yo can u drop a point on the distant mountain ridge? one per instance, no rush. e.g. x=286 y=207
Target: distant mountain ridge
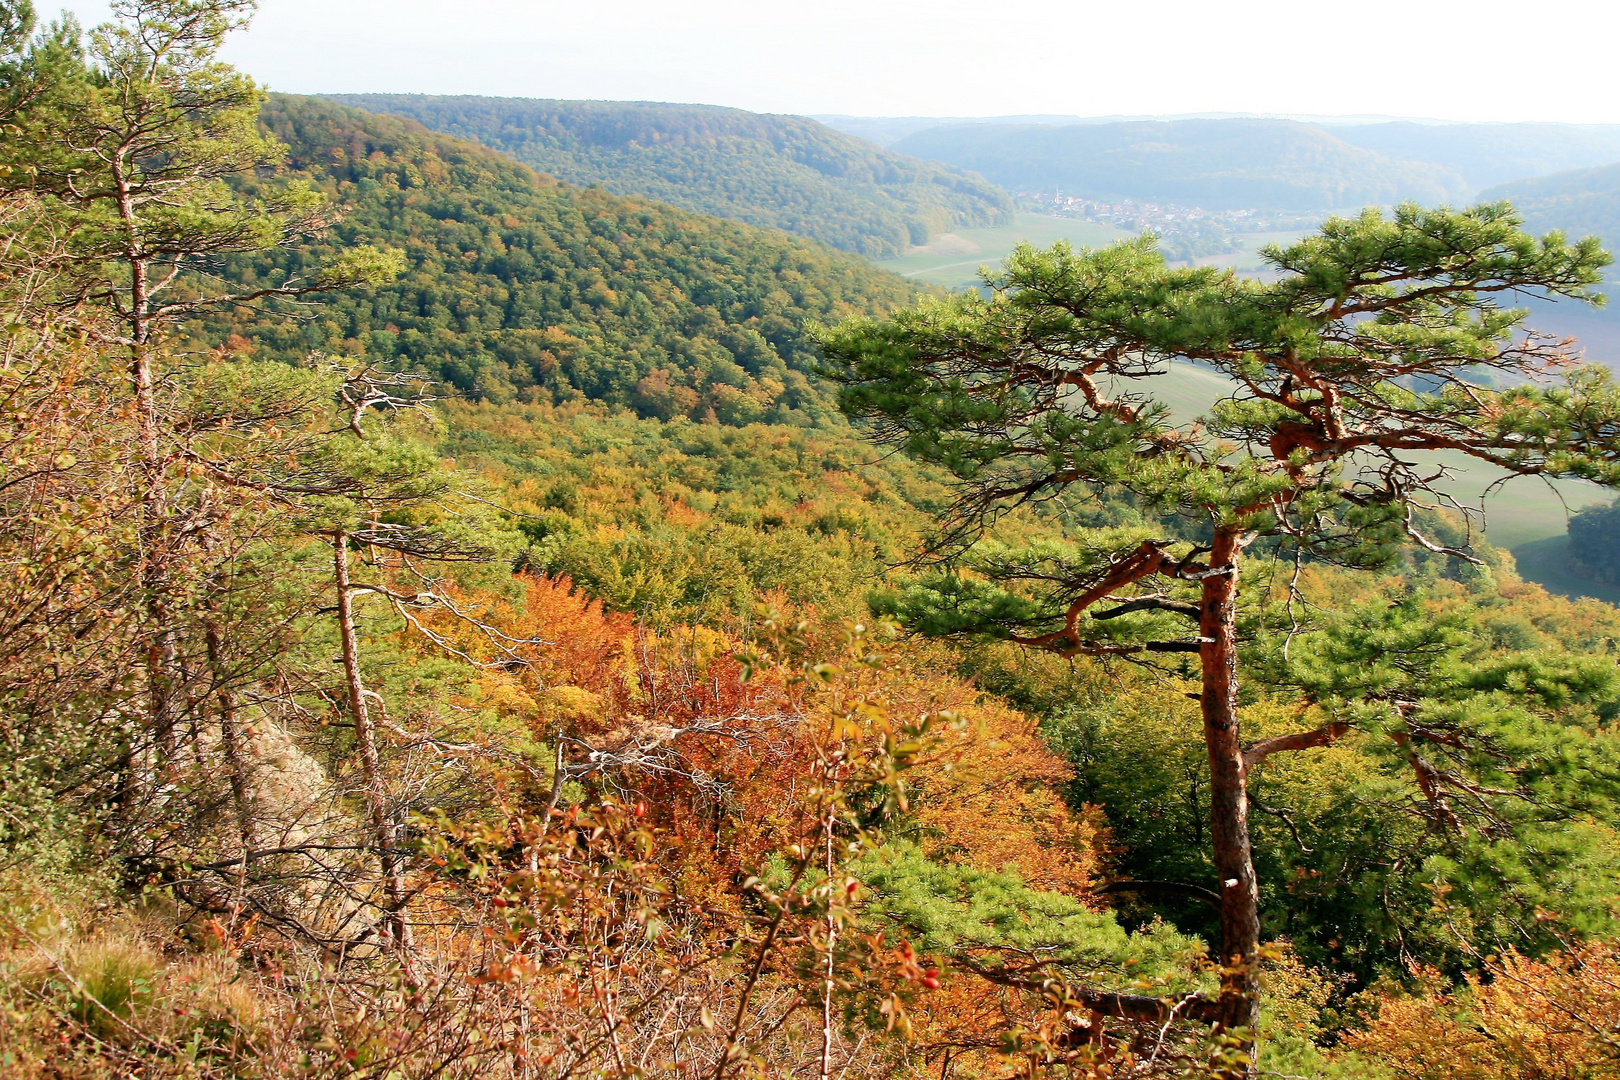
x=1463 y=159
x=1486 y=155
x=888 y=130
x=1216 y=164
x=781 y=172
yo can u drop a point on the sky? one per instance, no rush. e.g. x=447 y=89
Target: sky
x=1484 y=60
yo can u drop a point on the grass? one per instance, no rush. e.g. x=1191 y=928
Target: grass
x=89 y=982
x=1544 y=562
x=954 y=260
x=114 y=980
x=1523 y=509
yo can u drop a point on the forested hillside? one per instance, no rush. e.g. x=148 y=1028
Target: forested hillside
x=460 y=625
x=888 y=130
x=1214 y=164
x=1581 y=202
x=519 y=286
x=778 y=172
x=1485 y=155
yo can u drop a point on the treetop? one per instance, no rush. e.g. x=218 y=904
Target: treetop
x=1378 y=339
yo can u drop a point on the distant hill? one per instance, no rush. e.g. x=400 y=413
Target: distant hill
x=779 y=172
x=1223 y=164
x=1488 y=154
x=888 y=130
x=1581 y=202
x=522 y=287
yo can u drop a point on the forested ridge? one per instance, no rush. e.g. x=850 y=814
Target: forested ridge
x=1486 y=155
x=519 y=286
x=781 y=172
x=1583 y=201
x=460 y=624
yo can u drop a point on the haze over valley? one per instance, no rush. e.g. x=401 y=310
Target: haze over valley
x=856 y=541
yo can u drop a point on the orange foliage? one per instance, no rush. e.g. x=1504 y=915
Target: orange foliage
x=1557 y=1019
x=991 y=798
x=989 y=795
x=737 y=770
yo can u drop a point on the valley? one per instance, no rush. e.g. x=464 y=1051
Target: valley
x=1525 y=516
x=558 y=587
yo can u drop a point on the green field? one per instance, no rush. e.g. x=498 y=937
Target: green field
x=953 y=260
x=1246 y=260
x=1544 y=562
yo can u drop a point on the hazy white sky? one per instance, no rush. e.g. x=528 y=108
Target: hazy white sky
x=1481 y=60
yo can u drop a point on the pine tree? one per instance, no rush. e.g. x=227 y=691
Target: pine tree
x=129 y=149
x=1377 y=341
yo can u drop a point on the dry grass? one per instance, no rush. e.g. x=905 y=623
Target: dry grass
x=88 y=991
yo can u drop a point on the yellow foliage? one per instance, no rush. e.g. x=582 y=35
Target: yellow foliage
x=1557 y=1019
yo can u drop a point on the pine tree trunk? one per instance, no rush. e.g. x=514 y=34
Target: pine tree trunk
x=1229 y=803
x=160 y=648
x=365 y=738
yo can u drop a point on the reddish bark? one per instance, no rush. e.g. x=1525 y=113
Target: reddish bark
x=1228 y=774
x=1326 y=735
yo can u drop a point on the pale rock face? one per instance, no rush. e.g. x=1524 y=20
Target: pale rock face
x=292 y=795
x=294 y=802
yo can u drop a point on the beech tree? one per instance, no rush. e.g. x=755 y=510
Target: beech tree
x=1376 y=342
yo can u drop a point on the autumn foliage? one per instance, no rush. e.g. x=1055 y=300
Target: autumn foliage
x=1522 y=1019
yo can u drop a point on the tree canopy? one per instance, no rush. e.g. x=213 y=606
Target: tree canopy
x=778 y=172
x=348 y=731
x=520 y=287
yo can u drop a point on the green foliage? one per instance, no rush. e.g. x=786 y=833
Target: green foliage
x=1451 y=763
x=519 y=287
x=130 y=146
x=956 y=911
x=1594 y=543
x=21 y=77
x=1388 y=312
x=686 y=522
x=775 y=172
x=1196 y=239
x=1215 y=164
x=1475 y=792
x=1004 y=591
x=1514 y=743
x=193 y=125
